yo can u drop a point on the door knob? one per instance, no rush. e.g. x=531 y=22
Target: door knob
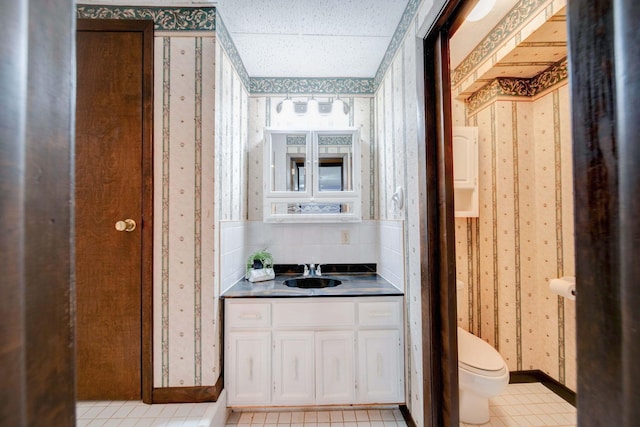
x=127 y=225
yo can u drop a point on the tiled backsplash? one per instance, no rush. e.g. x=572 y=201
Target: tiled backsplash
x=363 y=242
x=391 y=265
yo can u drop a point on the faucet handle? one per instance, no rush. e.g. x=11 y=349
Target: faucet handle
x=306 y=270
x=318 y=271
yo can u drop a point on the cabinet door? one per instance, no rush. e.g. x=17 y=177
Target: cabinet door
x=380 y=367
x=293 y=368
x=335 y=370
x=465 y=171
x=248 y=370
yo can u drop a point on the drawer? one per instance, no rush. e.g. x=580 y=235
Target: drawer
x=314 y=314
x=380 y=313
x=242 y=315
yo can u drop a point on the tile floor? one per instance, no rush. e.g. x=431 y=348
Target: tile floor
x=520 y=405
x=138 y=414
x=323 y=418
x=532 y=404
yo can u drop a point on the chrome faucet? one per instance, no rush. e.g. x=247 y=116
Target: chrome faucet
x=314 y=270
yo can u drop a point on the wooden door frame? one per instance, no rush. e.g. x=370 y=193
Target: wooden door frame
x=605 y=99
x=146 y=304
x=36 y=213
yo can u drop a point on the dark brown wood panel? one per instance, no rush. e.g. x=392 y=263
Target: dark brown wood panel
x=113 y=182
x=36 y=140
x=189 y=394
x=13 y=103
x=627 y=85
x=605 y=91
x=438 y=272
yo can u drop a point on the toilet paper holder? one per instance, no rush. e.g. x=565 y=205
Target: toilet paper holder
x=564 y=286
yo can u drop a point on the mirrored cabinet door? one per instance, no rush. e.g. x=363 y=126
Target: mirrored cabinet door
x=334 y=163
x=287 y=157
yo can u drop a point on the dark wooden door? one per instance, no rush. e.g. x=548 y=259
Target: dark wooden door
x=110 y=187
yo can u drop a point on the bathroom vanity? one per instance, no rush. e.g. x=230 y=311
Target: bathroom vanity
x=290 y=346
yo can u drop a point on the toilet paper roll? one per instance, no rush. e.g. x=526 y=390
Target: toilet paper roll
x=564 y=286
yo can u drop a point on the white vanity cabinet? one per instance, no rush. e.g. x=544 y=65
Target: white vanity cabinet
x=381 y=351
x=335 y=368
x=314 y=351
x=248 y=345
x=293 y=368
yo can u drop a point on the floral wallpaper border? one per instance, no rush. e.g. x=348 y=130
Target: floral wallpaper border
x=557 y=73
x=208 y=19
x=302 y=85
x=230 y=48
x=396 y=40
x=505 y=28
x=164 y=18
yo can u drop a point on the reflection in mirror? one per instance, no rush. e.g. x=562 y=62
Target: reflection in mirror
x=288 y=159
x=289 y=208
x=335 y=162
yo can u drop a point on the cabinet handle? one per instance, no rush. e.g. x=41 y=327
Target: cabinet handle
x=381 y=314
x=250 y=316
x=251 y=369
x=295 y=369
x=337 y=369
x=380 y=367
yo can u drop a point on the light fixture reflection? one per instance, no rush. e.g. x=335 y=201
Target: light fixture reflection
x=341 y=105
x=312 y=105
x=285 y=105
x=481 y=10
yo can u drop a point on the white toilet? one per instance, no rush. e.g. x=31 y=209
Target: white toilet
x=482 y=374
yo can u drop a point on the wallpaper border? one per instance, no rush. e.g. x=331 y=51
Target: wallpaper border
x=209 y=19
x=164 y=18
x=505 y=28
x=513 y=87
x=311 y=85
x=396 y=40
x=222 y=34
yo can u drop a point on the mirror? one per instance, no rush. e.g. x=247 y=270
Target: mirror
x=311 y=175
x=335 y=162
x=288 y=161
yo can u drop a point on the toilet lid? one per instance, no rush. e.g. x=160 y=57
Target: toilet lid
x=476 y=353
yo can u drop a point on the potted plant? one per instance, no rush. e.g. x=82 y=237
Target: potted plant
x=259 y=260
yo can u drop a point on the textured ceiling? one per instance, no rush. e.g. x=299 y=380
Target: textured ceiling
x=471 y=33
x=311 y=38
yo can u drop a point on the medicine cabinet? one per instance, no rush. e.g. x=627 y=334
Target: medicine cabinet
x=311 y=176
x=465 y=171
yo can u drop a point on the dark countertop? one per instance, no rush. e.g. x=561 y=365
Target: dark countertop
x=363 y=284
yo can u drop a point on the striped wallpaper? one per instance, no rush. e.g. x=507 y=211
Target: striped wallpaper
x=185 y=325
x=200 y=179
x=524 y=234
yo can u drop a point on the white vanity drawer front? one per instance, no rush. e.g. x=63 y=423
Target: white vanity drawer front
x=314 y=314
x=380 y=313
x=248 y=315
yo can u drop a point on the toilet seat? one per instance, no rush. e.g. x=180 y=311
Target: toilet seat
x=477 y=356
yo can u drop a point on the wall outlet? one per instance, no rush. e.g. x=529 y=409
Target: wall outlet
x=345 y=237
